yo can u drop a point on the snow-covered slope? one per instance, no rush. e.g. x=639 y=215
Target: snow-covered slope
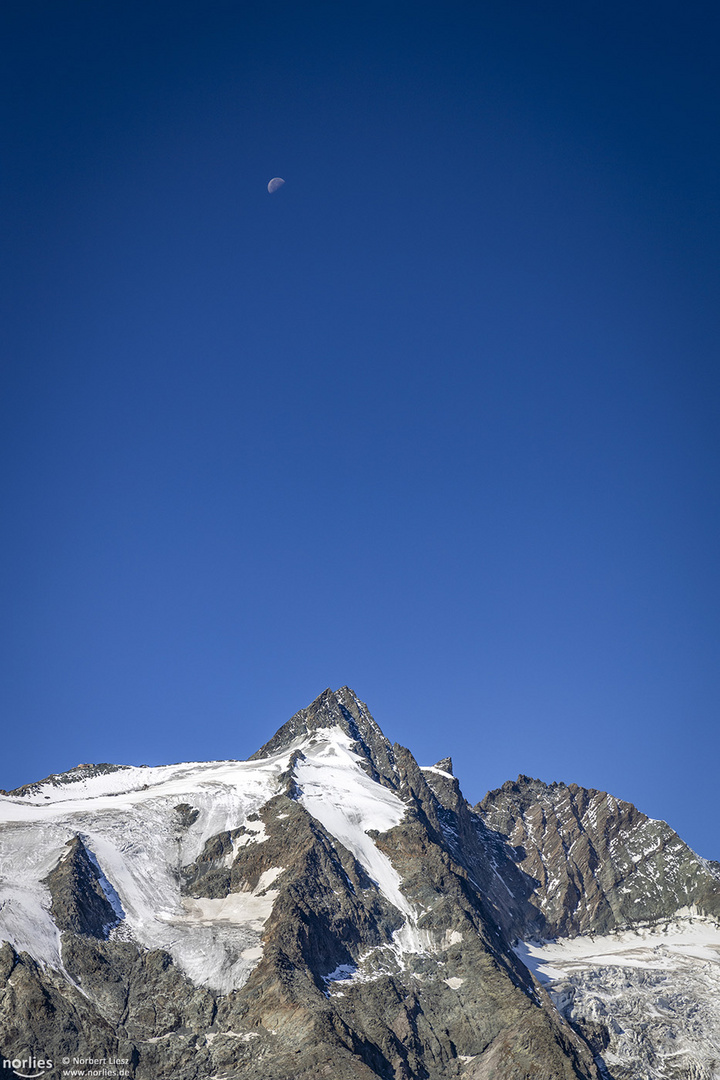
x=349 y=803
x=654 y=990
x=128 y=820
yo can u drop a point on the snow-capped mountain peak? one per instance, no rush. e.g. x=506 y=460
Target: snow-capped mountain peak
x=330 y=908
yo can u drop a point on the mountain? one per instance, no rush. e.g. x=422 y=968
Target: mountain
x=329 y=908
x=598 y=862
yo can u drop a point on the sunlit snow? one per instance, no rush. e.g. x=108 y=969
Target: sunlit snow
x=655 y=989
x=349 y=803
x=129 y=823
x=654 y=946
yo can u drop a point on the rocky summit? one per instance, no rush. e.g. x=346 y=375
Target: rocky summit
x=329 y=908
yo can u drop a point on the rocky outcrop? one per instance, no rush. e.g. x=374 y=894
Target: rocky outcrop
x=491 y=862
x=42 y=1013
x=80 y=904
x=597 y=862
x=344 y=710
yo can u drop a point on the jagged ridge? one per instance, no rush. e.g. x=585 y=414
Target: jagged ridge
x=599 y=863
x=326 y=908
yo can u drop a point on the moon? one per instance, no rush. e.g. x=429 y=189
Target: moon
x=275 y=183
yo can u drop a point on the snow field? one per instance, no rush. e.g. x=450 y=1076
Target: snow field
x=127 y=819
x=656 y=990
x=348 y=803
x=128 y=822
x=660 y=946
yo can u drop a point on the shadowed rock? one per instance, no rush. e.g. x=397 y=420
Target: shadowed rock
x=79 y=902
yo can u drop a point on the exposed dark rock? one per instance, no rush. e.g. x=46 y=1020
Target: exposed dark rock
x=597 y=863
x=187 y=815
x=140 y=992
x=343 y=709
x=79 y=903
x=43 y=1014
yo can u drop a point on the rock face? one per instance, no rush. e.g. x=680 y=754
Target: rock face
x=644 y=993
x=598 y=864
x=326 y=909
x=80 y=904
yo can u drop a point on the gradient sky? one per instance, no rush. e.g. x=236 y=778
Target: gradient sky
x=437 y=420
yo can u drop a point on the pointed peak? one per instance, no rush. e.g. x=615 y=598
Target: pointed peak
x=333 y=708
x=74 y=850
x=445 y=765
x=337 y=709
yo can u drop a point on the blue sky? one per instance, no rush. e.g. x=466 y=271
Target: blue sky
x=437 y=420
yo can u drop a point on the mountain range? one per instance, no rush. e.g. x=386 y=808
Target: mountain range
x=329 y=908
